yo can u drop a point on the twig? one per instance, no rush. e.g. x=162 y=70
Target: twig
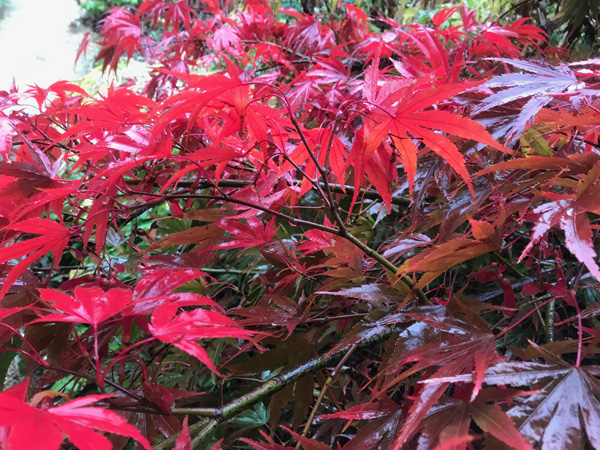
x=508 y=264
x=294 y=221
x=230 y=271
x=59 y=268
x=204 y=432
x=328 y=319
x=200 y=412
x=490 y=295
x=508 y=328
x=333 y=208
x=336 y=188
x=290 y=219
x=116 y=386
x=388 y=265
x=330 y=379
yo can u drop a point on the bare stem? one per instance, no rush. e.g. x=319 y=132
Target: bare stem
x=330 y=379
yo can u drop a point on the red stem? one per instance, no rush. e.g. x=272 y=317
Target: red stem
x=40 y=360
x=507 y=329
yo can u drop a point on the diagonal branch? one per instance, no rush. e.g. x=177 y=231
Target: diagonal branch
x=272 y=386
x=342 y=232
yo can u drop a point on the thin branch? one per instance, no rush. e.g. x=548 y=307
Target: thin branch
x=231 y=271
x=290 y=219
x=328 y=319
x=200 y=412
x=335 y=188
x=117 y=386
x=330 y=379
x=209 y=426
x=326 y=196
x=294 y=221
x=388 y=265
x=59 y=268
x=490 y=295
x=509 y=265
x=549 y=328
x=535 y=309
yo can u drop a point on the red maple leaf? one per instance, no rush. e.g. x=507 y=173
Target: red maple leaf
x=157 y=287
x=185 y=329
x=53 y=238
x=25 y=426
x=90 y=305
x=565 y=405
x=121 y=34
x=402 y=111
x=570 y=213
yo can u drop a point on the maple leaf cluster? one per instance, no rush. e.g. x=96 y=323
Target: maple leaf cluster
x=301 y=229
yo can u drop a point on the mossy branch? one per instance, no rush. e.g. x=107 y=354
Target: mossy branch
x=205 y=427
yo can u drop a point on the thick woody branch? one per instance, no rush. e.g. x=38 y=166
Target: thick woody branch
x=275 y=384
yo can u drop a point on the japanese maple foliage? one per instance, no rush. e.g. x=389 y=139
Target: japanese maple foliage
x=301 y=231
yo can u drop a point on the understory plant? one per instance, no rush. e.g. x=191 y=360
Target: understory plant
x=304 y=232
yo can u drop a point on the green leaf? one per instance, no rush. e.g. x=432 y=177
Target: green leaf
x=257 y=417
x=6 y=358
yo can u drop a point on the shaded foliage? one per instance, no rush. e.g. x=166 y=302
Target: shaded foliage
x=305 y=231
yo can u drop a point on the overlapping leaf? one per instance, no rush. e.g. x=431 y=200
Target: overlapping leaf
x=53 y=238
x=466 y=348
x=570 y=213
x=406 y=113
x=233 y=149
x=567 y=405
x=184 y=329
x=448 y=426
x=28 y=427
x=89 y=305
x=538 y=86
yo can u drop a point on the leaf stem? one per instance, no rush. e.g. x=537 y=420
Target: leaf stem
x=579 y=333
x=508 y=264
x=507 y=329
x=117 y=386
x=38 y=358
